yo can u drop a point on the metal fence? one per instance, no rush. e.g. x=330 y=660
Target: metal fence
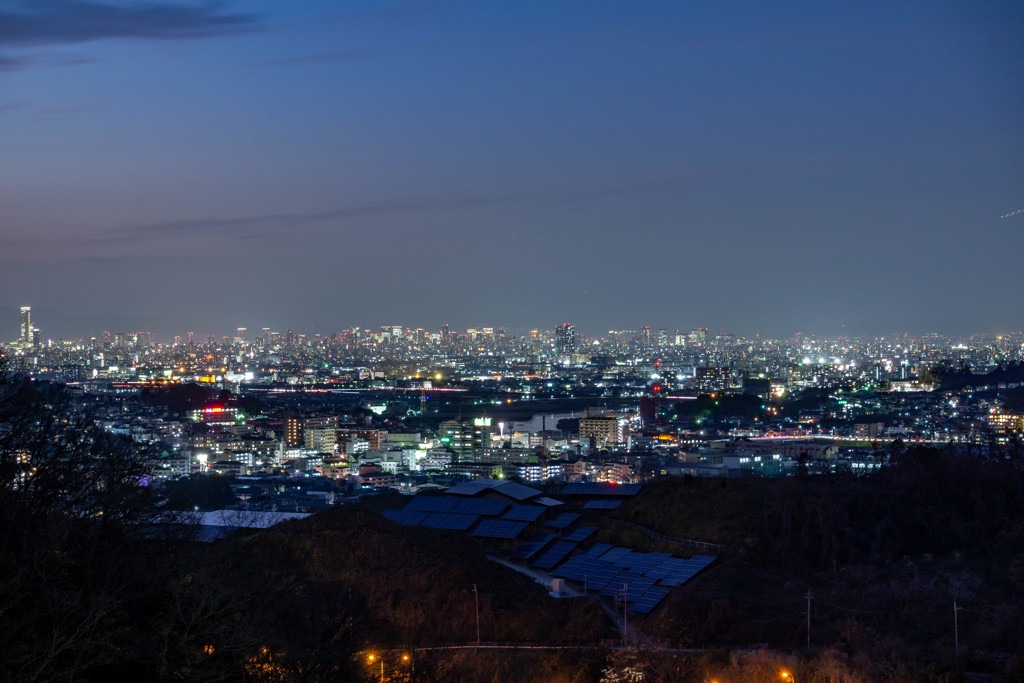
x=699 y=545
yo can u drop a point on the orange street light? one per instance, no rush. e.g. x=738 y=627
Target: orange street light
x=373 y=657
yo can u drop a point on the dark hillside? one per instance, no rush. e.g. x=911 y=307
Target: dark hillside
x=885 y=557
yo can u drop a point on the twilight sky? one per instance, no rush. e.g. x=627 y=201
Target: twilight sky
x=743 y=166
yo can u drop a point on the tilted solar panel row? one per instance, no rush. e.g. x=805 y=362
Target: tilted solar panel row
x=598 y=549
x=449 y=520
x=488 y=508
x=432 y=504
x=649 y=600
x=563 y=520
x=531 y=547
x=407 y=517
x=554 y=555
x=499 y=528
x=627 y=584
x=612 y=567
x=523 y=513
x=580 y=534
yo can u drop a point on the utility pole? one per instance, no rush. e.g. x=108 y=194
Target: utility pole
x=956 y=630
x=809 y=596
x=476 y=598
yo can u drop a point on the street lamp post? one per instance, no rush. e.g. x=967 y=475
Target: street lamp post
x=373 y=657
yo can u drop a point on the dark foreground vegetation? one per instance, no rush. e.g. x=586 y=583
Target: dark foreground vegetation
x=884 y=556
x=94 y=587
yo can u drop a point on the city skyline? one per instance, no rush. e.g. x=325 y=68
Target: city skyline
x=81 y=328
x=742 y=167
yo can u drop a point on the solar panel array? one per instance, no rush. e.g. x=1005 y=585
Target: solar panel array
x=531 y=547
x=602 y=504
x=499 y=528
x=449 y=520
x=592 y=572
x=641 y=579
x=649 y=600
x=407 y=517
x=563 y=520
x=486 y=507
x=627 y=584
x=676 y=572
x=524 y=513
x=554 y=555
x=579 y=534
x=601 y=489
x=431 y=504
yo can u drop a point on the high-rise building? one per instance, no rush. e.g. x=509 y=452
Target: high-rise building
x=565 y=339
x=464 y=437
x=293 y=431
x=603 y=429
x=27 y=331
x=645 y=336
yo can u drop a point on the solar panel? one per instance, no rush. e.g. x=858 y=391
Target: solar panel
x=554 y=555
x=431 y=504
x=472 y=487
x=615 y=553
x=407 y=517
x=449 y=520
x=598 y=575
x=573 y=569
x=608 y=569
x=649 y=600
x=563 y=520
x=598 y=549
x=615 y=584
x=517 y=491
x=602 y=504
x=489 y=508
x=524 y=513
x=531 y=547
x=580 y=534
x=498 y=528
x=628 y=584
x=676 y=572
x=625 y=560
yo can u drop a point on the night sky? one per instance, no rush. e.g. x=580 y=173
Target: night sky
x=743 y=166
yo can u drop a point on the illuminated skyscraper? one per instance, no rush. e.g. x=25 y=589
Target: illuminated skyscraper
x=27 y=332
x=565 y=340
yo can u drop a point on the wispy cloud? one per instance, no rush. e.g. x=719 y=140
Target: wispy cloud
x=252 y=226
x=283 y=225
x=27 y=23
x=9 y=64
x=313 y=59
